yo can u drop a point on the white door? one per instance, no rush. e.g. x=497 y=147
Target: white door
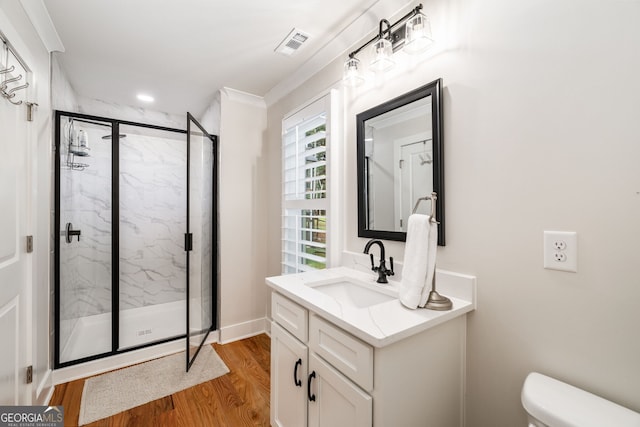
x=334 y=400
x=289 y=365
x=14 y=194
x=415 y=175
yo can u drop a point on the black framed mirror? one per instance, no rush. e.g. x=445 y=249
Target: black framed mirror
x=400 y=159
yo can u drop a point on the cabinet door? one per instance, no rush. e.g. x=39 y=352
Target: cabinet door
x=338 y=402
x=289 y=364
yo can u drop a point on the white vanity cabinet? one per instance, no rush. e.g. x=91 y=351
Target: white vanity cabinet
x=305 y=389
x=289 y=364
x=323 y=376
x=337 y=401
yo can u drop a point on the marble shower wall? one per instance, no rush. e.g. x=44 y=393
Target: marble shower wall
x=85 y=201
x=152 y=223
x=97 y=107
x=153 y=198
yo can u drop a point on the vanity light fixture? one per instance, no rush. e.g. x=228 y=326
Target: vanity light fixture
x=383 y=50
x=412 y=34
x=353 y=72
x=418 y=34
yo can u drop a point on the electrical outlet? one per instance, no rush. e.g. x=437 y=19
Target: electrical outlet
x=559 y=245
x=560 y=257
x=561 y=250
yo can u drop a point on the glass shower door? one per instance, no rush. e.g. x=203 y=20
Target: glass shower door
x=152 y=268
x=201 y=237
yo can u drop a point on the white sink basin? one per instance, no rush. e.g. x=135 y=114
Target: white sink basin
x=350 y=292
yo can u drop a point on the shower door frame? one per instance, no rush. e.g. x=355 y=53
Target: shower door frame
x=214 y=237
x=115 y=235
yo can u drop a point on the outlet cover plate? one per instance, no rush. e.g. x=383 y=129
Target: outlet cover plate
x=566 y=239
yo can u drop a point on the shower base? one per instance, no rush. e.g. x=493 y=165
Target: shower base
x=91 y=335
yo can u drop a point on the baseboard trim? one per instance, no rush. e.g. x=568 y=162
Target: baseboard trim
x=267 y=327
x=242 y=330
x=44 y=390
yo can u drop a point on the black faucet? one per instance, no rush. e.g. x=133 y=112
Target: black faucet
x=382 y=270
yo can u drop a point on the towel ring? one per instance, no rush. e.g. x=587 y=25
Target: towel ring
x=433 y=197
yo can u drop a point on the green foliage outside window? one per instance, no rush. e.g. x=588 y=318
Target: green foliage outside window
x=315 y=189
x=314 y=225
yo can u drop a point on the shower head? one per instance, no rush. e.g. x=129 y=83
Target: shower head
x=122 y=135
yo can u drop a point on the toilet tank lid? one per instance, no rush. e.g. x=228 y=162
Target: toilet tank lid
x=559 y=404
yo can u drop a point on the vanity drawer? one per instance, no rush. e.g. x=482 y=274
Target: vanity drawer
x=291 y=316
x=346 y=353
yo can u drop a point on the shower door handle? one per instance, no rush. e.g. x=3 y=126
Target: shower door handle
x=70 y=232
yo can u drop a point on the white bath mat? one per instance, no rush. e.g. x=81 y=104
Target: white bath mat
x=120 y=390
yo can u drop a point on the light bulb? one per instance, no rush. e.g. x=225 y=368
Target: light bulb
x=382 y=51
x=352 y=76
x=418 y=34
x=145 y=98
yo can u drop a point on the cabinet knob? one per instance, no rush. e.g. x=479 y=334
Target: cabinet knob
x=312 y=397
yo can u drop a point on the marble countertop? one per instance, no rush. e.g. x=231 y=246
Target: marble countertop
x=381 y=324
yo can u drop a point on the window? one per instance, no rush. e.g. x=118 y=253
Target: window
x=306 y=201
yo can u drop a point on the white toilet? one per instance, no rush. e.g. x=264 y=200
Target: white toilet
x=552 y=403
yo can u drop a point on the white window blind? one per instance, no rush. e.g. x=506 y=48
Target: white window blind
x=305 y=154
x=305 y=200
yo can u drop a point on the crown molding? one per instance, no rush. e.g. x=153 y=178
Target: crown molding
x=41 y=20
x=243 y=97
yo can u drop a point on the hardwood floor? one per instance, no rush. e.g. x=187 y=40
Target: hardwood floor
x=239 y=398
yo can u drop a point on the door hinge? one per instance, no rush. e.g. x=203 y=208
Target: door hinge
x=400 y=163
x=400 y=222
x=188 y=242
x=29 y=244
x=30 y=106
x=29 y=374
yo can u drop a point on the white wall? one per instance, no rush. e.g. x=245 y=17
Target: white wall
x=63 y=96
x=540 y=133
x=242 y=208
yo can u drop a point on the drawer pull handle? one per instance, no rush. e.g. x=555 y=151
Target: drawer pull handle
x=312 y=397
x=297 y=381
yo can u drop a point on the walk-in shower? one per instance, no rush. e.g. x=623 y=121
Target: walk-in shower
x=123 y=194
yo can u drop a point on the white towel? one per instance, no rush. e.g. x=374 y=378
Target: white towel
x=419 y=261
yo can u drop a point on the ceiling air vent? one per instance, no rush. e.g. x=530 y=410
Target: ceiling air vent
x=292 y=42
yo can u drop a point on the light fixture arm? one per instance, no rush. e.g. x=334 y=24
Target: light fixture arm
x=381 y=33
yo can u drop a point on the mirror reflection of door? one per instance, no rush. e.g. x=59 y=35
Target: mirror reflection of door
x=399 y=162
x=413 y=176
